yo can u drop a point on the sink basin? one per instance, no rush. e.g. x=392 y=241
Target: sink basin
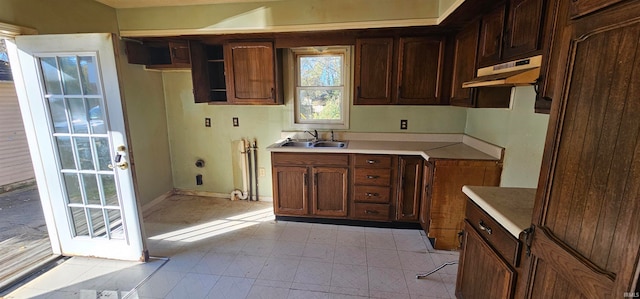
x=338 y=144
x=293 y=143
x=312 y=144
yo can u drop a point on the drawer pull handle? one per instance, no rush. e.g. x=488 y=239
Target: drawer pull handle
x=369 y=194
x=372 y=161
x=372 y=176
x=484 y=227
x=371 y=212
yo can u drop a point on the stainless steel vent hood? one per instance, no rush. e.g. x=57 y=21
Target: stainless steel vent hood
x=513 y=73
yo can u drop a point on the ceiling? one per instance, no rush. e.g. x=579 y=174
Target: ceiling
x=153 y=3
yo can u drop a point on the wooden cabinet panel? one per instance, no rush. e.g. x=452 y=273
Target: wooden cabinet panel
x=330 y=189
x=200 y=73
x=448 y=203
x=522 y=34
x=591 y=165
x=372 y=194
x=409 y=188
x=250 y=71
x=373 y=71
x=494 y=234
x=373 y=161
x=420 y=62
x=425 y=203
x=464 y=64
x=373 y=176
x=490 y=44
x=290 y=188
x=160 y=54
x=482 y=273
x=179 y=53
x=309 y=159
x=581 y=8
x=371 y=211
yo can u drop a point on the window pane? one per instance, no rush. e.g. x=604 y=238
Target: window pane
x=320 y=104
x=79 y=221
x=50 y=74
x=69 y=67
x=78 y=116
x=325 y=70
x=89 y=75
x=58 y=115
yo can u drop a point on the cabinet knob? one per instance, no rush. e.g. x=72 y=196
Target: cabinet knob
x=369 y=194
x=372 y=176
x=372 y=161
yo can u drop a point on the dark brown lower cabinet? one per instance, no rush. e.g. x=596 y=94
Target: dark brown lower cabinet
x=482 y=273
x=290 y=190
x=329 y=196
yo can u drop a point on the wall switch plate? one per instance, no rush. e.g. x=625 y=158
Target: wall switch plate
x=207 y=122
x=236 y=122
x=404 y=124
x=262 y=172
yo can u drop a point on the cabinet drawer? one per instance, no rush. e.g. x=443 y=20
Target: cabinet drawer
x=371 y=211
x=373 y=194
x=290 y=159
x=373 y=161
x=498 y=237
x=372 y=176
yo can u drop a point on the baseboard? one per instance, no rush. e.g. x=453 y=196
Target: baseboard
x=18 y=185
x=157 y=200
x=215 y=194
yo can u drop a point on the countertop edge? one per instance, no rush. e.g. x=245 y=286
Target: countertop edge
x=507 y=223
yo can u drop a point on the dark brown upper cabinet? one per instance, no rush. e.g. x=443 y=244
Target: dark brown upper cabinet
x=510 y=31
x=405 y=71
x=159 y=54
x=419 y=69
x=239 y=73
x=464 y=65
x=373 y=71
x=250 y=73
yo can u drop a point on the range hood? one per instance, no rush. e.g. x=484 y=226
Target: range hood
x=513 y=73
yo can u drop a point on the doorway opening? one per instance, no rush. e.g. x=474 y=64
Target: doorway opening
x=24 y=240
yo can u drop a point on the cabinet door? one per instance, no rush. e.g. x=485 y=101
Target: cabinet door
x=200 y=73
x=410 y=187
x=179 y=54
x=425 y=201
x=290 y=189
x=464 y=64
x=419 y=71
x=373 y=71
x=590 y=174
x=490 y=44
x=250 y=72
x=522 y=34
x=482 y=273
x=330 y=186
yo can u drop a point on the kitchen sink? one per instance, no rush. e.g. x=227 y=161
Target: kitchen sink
x=312 y=144
x=293 y=143
x=338 y=144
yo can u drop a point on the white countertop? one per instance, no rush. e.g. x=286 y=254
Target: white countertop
x=455 y=147
x=511 y=207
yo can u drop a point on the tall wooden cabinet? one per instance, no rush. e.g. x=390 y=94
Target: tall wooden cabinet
x=464 y=64
x=586 y=240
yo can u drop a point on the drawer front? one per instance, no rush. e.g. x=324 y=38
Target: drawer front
x=309 y=159
x=373 y=194
x=373 y=161
x=372 y=176
x=498 y=237
x=371 y=211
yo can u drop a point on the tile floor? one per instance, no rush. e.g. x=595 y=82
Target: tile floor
x=218 y=248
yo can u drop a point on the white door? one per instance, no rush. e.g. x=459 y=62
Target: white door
x=70 y=100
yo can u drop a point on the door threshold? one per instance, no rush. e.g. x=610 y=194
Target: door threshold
x=14 y=282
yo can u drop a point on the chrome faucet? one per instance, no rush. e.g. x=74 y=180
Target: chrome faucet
x=314 y=134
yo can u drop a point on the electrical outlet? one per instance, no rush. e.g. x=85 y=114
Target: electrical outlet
x=236 y=122
x=262 y=172
x=207 y=122
x=404 y=124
